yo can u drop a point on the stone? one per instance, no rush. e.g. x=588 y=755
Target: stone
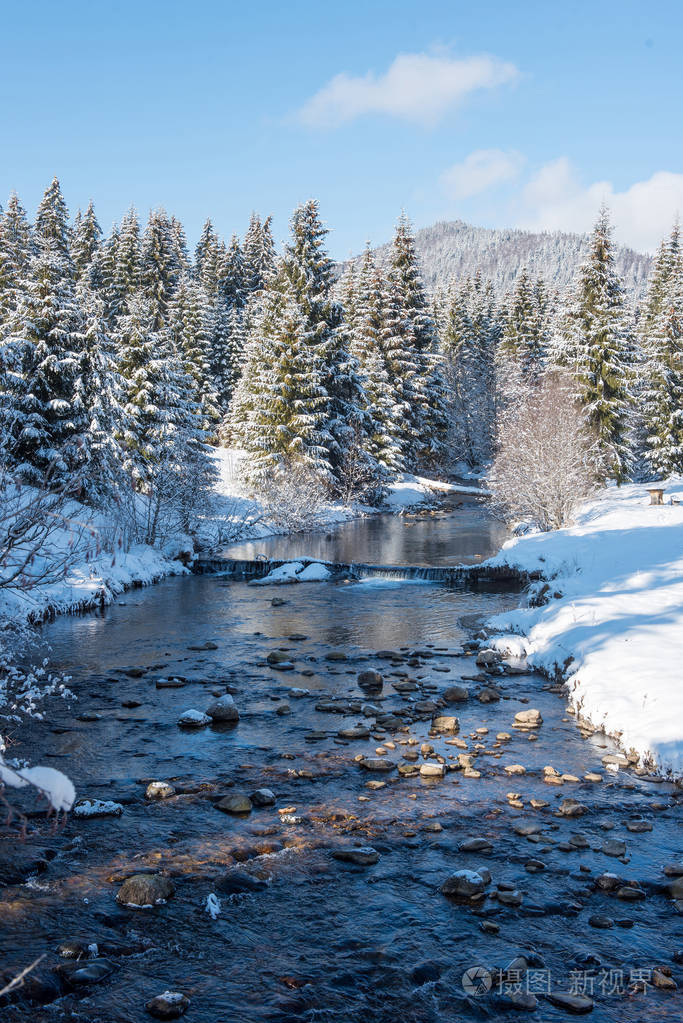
x=159 y=790
x=371 y=681
x=262 y=797
x=223 y=709
x=357 y=732
x=142 y=891
x=488 y=658
x=526 y=828
x=571 y=808
x=676 y=888
x=445 y=725
x=637 y=827
x=363 y=856
x=88 y=971
x=283 y=710
x=455 y=694
x=514 y=769
x=169 y=1005
x=601 y=922
x=278 y=657
x=506 y=898
x=488 y=695
x=377 y=764
x=236 y=805
x=576 y=1004
x=593 y=777
x=193 y=719
x=476 y=845
x=630 y=893
x=464 y=884
x=613 y=847
x=432 y=770
x=528 y=719
x=661 y=978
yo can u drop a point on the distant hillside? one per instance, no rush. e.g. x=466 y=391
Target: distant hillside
x=456 y=249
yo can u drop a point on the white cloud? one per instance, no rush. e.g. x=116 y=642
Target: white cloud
x=480 y=171
x=555 y=199
x=417 y=87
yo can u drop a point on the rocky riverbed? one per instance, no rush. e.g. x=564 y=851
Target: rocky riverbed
x=366 y=817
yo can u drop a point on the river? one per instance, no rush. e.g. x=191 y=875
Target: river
x=302 y=935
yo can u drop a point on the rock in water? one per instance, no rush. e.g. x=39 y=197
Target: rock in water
x=223 y=709
x=464 y=884
x=193 y=719
x=445 y=724
x=142 y=891
x=169 y=1005
x=455 y=694
x=371 y=681
x=571 y=808
x=528 y=719
x=377 y=764
x=159 y=790
x=263 y=797
x=235 y=804
x=432 y=770
x=363 y=856
x=97 y=808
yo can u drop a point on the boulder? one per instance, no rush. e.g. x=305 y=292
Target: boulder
x=528 y=719
x=223 y=709
x=371 y=681
x=445 y=724
x=236 y=805
x=142 y=891
x=169 y=1005
x=464 y=884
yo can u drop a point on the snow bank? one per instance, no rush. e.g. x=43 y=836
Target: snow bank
x=614 y=623
x=408 y=490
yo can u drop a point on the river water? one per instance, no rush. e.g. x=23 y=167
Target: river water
x=302 y=935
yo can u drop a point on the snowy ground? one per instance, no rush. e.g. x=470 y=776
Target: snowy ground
x=616 y=628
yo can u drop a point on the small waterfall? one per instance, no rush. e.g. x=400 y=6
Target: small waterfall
x=479 y=576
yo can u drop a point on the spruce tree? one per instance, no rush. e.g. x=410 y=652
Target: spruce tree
x=259 y=254
x=47 y=328
x=661 y=396
x=85 y=245
x=596 y=344
x=413 y=324
x=15 y=252
x=161 y=265
x=190 y=327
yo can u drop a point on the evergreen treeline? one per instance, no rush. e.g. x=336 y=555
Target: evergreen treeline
x=122 y=359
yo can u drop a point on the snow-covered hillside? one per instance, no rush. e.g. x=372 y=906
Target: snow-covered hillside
x=618 y=624
x=455 y=249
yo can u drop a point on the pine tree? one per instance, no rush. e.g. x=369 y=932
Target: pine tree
x=232 y=271
x=15 y=252
x=161 y=265
x=85 y=245
x=206 y=259
x=525 y=330
x=414 y=325
x=190 y=329
x=259 y=254
x=98 y=394
x=470 y=340
x=370 y=341
x=661 y=397
x=47 y=327
x=595 y=343
x=299 y=401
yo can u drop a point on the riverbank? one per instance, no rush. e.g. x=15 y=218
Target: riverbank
x=611 y=620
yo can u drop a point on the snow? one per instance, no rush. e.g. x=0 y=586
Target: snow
x=408 y=490
x=97 y=808
x=614 y=623
x=54 y=785
x=295 y=572
x=213 y=906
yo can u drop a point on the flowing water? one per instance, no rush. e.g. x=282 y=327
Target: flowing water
x=302 y=935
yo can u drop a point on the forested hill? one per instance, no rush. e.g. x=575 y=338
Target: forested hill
x=455 y=249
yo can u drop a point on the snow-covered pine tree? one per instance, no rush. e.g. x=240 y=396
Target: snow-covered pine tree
x=371 y=341
x=414 y=325
x=259 y=254
x=206 y=259
x=595 y=342
x=470 y=339
x=99 y=396
x=86 y=239
x=46 y=326
x=15 y=252
x=299 y=401
x=190 y=326
x=661 y=394
x=161 y=265
x=232 y=273
x=525 y=333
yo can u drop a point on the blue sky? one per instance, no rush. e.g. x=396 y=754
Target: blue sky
x=500 y=113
